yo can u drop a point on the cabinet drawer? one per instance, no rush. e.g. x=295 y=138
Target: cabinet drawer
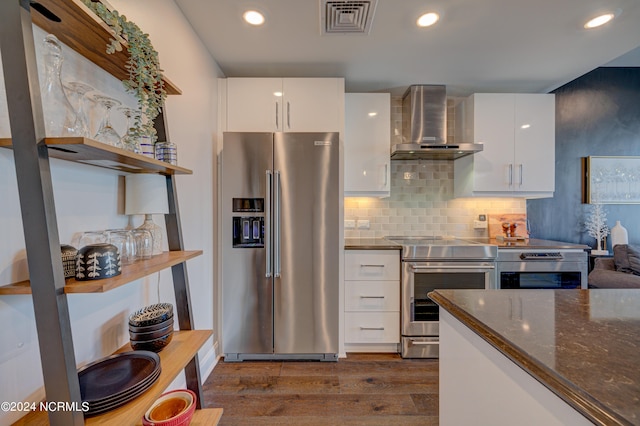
x=378 y=265
x=372 y=327
x=372 y=296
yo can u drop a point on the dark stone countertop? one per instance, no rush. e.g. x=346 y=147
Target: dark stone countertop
x=370 y=244
x=583 y=345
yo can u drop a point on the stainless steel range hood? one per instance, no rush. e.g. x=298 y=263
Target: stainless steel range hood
x=424 y=127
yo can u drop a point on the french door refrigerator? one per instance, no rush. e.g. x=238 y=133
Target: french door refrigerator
x=280 y=246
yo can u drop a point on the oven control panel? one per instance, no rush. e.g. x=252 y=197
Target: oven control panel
x=541 y=256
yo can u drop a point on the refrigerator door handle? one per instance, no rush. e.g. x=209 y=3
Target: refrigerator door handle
x=267 y=228
x=276 y=224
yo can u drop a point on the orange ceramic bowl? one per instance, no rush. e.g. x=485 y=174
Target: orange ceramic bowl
x=174 y=408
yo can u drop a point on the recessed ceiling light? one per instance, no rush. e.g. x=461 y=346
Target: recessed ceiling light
x=253 y=17
x=428 y=19
x=599 y=20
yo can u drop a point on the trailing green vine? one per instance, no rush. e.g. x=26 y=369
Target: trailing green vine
x=145 y=75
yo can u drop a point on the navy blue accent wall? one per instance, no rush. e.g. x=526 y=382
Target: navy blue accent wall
x=596 y=114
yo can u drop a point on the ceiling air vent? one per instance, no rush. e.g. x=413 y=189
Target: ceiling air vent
x=347 y=16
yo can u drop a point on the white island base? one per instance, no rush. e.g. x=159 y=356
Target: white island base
x=481 y=386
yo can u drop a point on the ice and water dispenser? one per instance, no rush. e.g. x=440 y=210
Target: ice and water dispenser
x=248 y=229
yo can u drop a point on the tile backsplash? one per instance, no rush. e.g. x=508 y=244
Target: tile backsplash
x=421 y=201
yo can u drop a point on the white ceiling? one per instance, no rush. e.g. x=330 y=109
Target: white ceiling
x=477 y=46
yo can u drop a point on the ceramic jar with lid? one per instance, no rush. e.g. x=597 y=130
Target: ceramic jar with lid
x=97 y=261
x=68 y=254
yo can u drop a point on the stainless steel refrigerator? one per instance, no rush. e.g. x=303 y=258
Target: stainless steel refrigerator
x=280 y=201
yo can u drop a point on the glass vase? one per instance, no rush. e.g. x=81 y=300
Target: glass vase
x=59 y=117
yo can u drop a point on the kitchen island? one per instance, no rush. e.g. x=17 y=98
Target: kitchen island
x=539 y=356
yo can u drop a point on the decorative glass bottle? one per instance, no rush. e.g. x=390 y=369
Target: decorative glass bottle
x=59 y=117
x=619 y=235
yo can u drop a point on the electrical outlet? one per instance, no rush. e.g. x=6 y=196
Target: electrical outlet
x=349 y=224
x=480 y=224
x=363 y=224
x=410 y=175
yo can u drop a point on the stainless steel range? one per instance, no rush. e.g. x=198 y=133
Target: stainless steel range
x=430 y=263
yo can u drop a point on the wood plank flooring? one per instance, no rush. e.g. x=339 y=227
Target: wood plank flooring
x=363 y=389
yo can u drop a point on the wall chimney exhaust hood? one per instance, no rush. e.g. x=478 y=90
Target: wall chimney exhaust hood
x=424 y=127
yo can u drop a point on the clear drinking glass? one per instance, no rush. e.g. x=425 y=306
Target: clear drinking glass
x=106 y=132
x=143 y=242
x=129 y=140
x=76 y=92
x=123 y=240
x=92 y=237
x=167 y=152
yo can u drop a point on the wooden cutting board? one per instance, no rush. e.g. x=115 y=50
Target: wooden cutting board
x=496 y=221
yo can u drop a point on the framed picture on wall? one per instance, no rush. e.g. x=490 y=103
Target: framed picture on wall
x=611 y=180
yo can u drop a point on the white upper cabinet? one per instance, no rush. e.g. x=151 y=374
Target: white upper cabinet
x=254 y=104
x=285 y=104
x=518 y=133
x=367 y=144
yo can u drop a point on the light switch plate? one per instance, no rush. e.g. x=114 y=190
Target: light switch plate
x=349 y=224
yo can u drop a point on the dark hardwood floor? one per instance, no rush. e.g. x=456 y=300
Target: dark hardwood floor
x=363 y=389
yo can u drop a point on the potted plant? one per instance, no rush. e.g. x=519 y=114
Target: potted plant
x=145 y=80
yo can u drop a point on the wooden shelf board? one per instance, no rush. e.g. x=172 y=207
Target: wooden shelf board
x=132 y=272
x=83 y=31
x=89 y=151
x=173 y=358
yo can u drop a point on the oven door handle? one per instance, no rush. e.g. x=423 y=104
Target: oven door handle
x=420 y=343
x=417 y=268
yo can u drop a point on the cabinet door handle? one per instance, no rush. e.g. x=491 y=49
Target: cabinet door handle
x=277 y=118
x=371 y=297
x=371 y=266
x=520 y=168
x=386 y=178
x=372 y=328
x=288 y=115
x=510 y=174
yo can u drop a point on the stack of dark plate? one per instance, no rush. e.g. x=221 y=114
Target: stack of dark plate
x=117 y=379
x=151 y=328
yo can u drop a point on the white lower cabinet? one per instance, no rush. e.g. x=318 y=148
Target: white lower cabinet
x=372 y=327
x=372 y=300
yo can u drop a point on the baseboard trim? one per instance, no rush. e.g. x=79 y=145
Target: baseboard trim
x=209 y=361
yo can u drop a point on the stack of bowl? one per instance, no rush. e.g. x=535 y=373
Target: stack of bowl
x=174 y=408
x=151 y=328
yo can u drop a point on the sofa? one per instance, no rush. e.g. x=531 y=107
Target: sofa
x=620 y=271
